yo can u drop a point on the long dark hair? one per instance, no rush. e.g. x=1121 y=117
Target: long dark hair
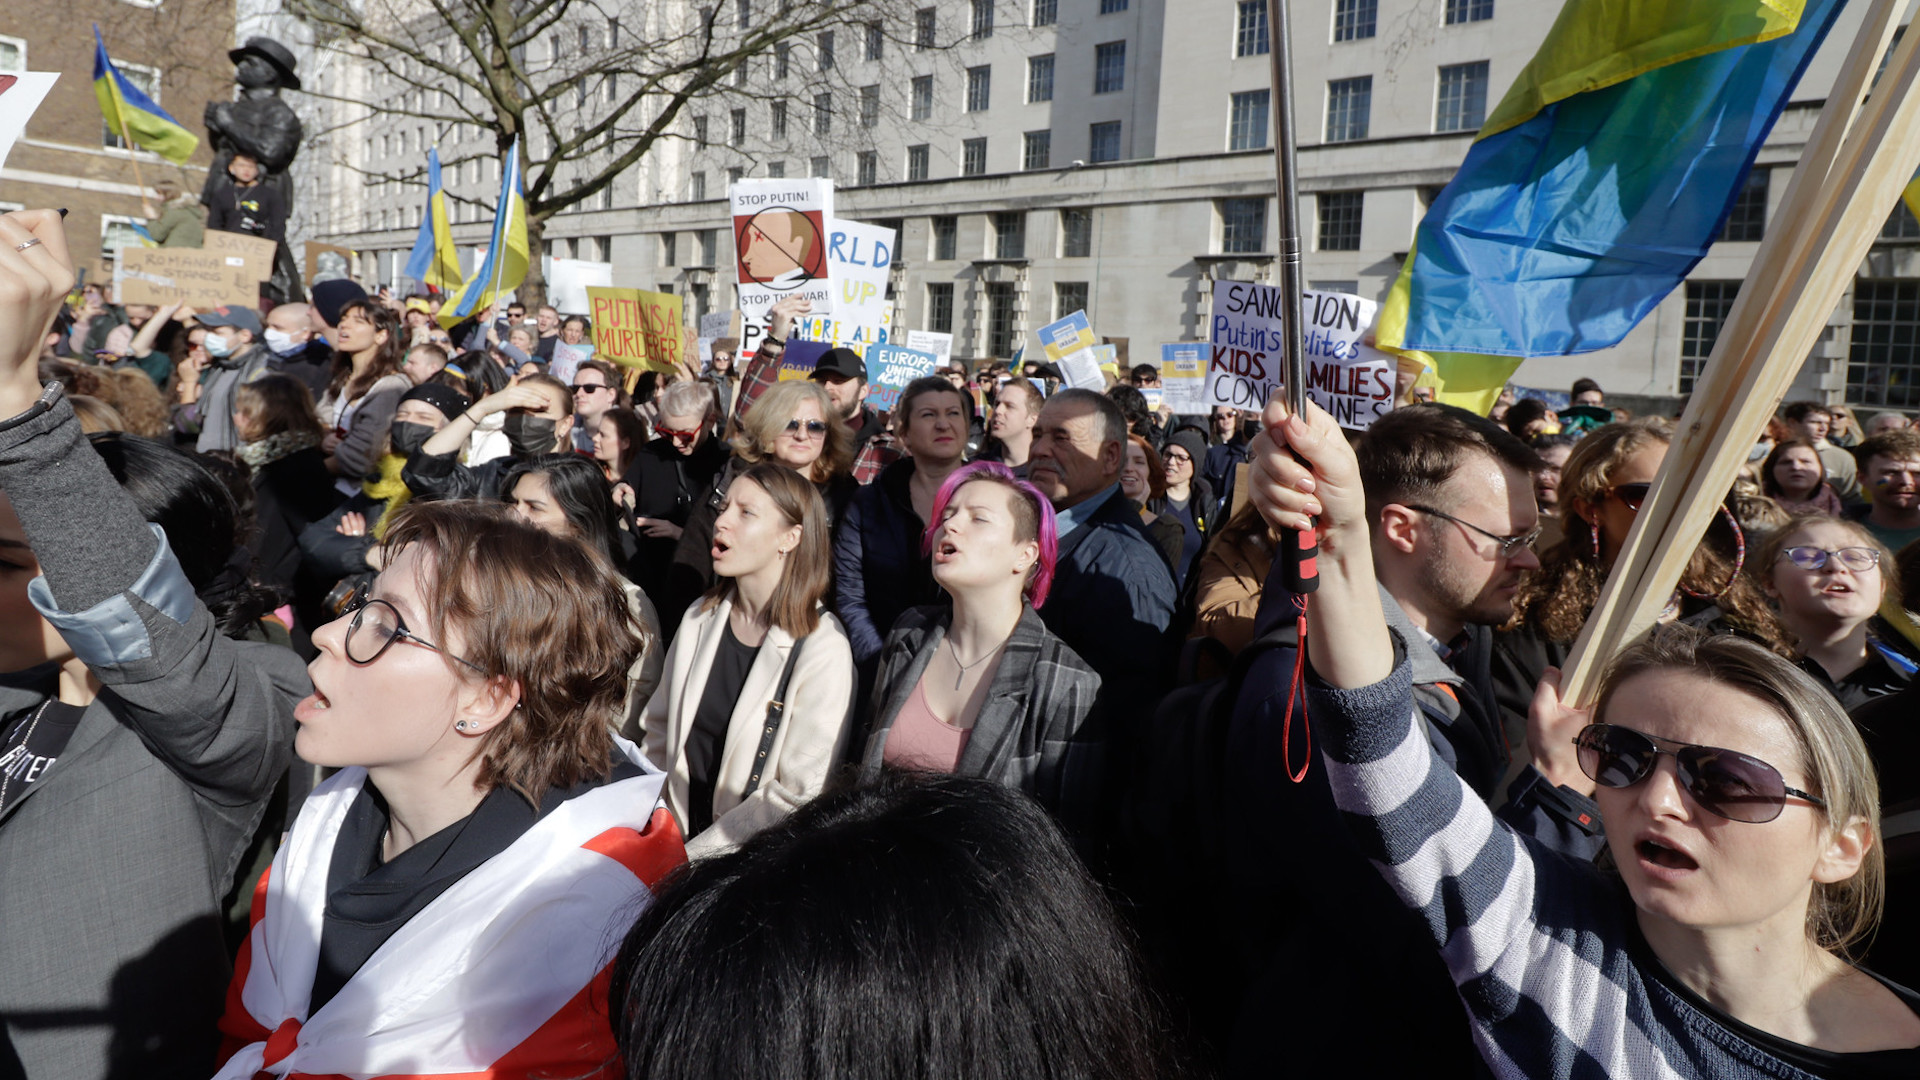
x=1770 y=484
x=387 y=361
x=919 y=928
x=203 y=525
x=581 y=492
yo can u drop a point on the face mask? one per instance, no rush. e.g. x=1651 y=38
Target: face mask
x=408 y=436
x=528 y=434
x=217 y=345
x=282 y=342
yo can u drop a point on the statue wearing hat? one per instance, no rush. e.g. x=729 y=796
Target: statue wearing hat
x=260 y=126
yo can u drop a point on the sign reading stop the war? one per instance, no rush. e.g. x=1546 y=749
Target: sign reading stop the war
x=780 y=238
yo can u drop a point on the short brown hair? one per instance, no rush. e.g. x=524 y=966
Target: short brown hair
x=1409 y=453
x=279 y=403
x=540 y=611
x=1898 y=443
x=808 y=570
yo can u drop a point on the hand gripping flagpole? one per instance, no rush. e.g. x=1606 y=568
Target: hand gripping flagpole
x=1298 y=550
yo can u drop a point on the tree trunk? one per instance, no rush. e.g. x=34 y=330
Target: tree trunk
x=533 y=288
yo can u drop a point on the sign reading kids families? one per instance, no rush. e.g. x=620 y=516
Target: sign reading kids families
x=780 y=238
x=1352 y=381
x=634 y=328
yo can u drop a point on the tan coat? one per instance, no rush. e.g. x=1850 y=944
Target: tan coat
x=812 y=733
x=1232 y=573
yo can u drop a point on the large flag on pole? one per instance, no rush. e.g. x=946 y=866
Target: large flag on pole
x=131 y=113
x=1598 y=182
x=434 y=261
x=507 y=254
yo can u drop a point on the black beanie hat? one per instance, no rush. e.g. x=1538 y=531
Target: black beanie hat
x=445 y=398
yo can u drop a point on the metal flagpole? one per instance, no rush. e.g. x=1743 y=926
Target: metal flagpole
x=1297 y=549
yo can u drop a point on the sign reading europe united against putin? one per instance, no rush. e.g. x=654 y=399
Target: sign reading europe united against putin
x=1352 y=381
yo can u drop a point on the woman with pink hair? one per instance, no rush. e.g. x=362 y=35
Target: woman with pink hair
x=982 y=688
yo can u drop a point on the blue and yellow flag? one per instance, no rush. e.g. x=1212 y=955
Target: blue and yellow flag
x=1598 y=182
x=434 y=261
x=133 y=115
x=507 y=255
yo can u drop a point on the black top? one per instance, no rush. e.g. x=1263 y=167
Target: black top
x=707 y=741
x=1887 y=670
x=368 y=900
x=34 y=739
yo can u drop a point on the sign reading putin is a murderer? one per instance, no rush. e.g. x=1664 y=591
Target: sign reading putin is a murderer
x=635 y=328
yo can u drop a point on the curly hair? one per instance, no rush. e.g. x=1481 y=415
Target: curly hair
x=756 y=432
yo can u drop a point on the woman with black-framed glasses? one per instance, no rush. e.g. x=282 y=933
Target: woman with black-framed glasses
x=1742 y=823
x=1829 y=577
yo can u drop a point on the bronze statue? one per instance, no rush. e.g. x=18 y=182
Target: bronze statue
x=261 y=127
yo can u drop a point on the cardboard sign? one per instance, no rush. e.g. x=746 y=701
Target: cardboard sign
x=1183 y=377
x=719 y=324
x=637 y=329
x=20 y=94
x=567 y=360
x=890 y=368
x=326 y=262
x=255 y=252
x=940 y=345
x=1248 y=335
x=191 y=276
x=859 y=258
x=780 y=240
x=797 y=361
x=1069 y=335
x=836 y=330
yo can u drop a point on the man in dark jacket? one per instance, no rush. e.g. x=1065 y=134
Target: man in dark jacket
x=667 y=476
x=539 y=412
x=1227 y=448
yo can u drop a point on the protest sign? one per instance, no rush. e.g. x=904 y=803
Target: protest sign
x=940 y=345
x=1109 y=360
x=255 y=252
x=780 y=247
x=325 y=262
x=569 y=279
x=890 y=368
x=1069 y=335
x=799 y=357
x=189 y=276
x=1352 y=381
x=719 y=324
x=20 y=94
x=1081 y=369
x=567 y=359
x=859 y=258
x=1247 y=334
x=1183 y=377
x=836 y=330
x=635 y=328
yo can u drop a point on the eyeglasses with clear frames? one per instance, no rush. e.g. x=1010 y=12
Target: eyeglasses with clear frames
x=1508 y=544
x=1807 y=557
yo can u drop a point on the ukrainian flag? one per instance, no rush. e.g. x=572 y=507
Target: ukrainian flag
x=133 y=115
x=507 y=253
x=1598 y=182
x=434 y=261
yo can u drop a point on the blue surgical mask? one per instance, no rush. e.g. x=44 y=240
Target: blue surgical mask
x=217 y=345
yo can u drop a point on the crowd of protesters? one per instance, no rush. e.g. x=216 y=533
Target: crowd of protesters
x=390 y=699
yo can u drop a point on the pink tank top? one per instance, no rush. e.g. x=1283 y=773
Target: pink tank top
x=921 y=740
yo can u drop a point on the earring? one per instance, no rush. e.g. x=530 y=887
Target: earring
x=463 y=726
x=1593 y=540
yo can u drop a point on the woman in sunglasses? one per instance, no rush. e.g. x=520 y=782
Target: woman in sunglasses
x=445 y=902
x=1741 y=819
x=1829 y=577
x=758 y=694
x=1602 y=485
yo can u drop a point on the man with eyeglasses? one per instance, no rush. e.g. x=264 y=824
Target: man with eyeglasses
x=1890 y=474
x=596 y=389
x=666 y=477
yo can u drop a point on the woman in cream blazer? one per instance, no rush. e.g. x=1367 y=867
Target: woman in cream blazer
x=772 y=552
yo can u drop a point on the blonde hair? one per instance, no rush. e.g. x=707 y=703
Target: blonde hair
x=1842 y=915
x=755 y=433
x=807 y=571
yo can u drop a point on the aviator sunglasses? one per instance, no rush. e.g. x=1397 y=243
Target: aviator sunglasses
x=1733 y=785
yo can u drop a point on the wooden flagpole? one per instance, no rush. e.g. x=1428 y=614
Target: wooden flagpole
x=133 y=155
x=1854 y=167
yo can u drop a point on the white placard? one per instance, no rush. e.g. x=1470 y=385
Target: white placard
x=940 y=345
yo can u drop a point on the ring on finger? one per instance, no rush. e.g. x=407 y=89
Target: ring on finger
x=31 y=242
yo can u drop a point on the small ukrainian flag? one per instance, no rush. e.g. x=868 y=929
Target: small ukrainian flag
x=134 y=115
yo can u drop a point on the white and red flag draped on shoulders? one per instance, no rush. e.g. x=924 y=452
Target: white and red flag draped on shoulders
x=503 y=975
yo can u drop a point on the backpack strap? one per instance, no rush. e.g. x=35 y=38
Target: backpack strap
x=776 y=710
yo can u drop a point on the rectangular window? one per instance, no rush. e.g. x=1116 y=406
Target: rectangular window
x=700 y=130
x=709 y=241
x=917 y=162
x=1747 y=221
x=876 y=41
x=979 y=87
x=940 y=307
x=1355 y=19
x=1076 y=234
x=973 y=157
x=1010 y=235
x=1901 y=224
x=1069 y=297
x=777 y=170
x=946 y=237
x=742 y=13
x=869 y=167
x=1046 y=12
x=1250 y=29
x=1883 y=366
x=1103 y=142
x=922 y=97
x=823 y=114
x=1466 y=11
x=613 y=37
x=782 y=59
x=1243 y=226
x=668 y=256
x=735 y=173
x=819 y=168
x=982 y=19
x=1462 y=103
x=1003 y=323
x=825 y=51
x=737 y=127
x=1040 y=78
x=1247 y=126
x=1349 y=105
x=697 y=187
x=1036 y=150
x=1110 y=67
x=1112 y=7
x=1340 y=220
x=1708 y=303
x=870 y=106
x=779 y=119
x=923 y=29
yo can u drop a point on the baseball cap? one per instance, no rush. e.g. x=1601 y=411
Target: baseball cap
x=243 y=318
x=842 y=362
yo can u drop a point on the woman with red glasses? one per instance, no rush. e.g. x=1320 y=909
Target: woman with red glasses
x=1742 y=826
x=1602 y=485
x=1829 y=577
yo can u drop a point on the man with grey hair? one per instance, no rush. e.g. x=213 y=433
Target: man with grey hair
x=667 y=476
